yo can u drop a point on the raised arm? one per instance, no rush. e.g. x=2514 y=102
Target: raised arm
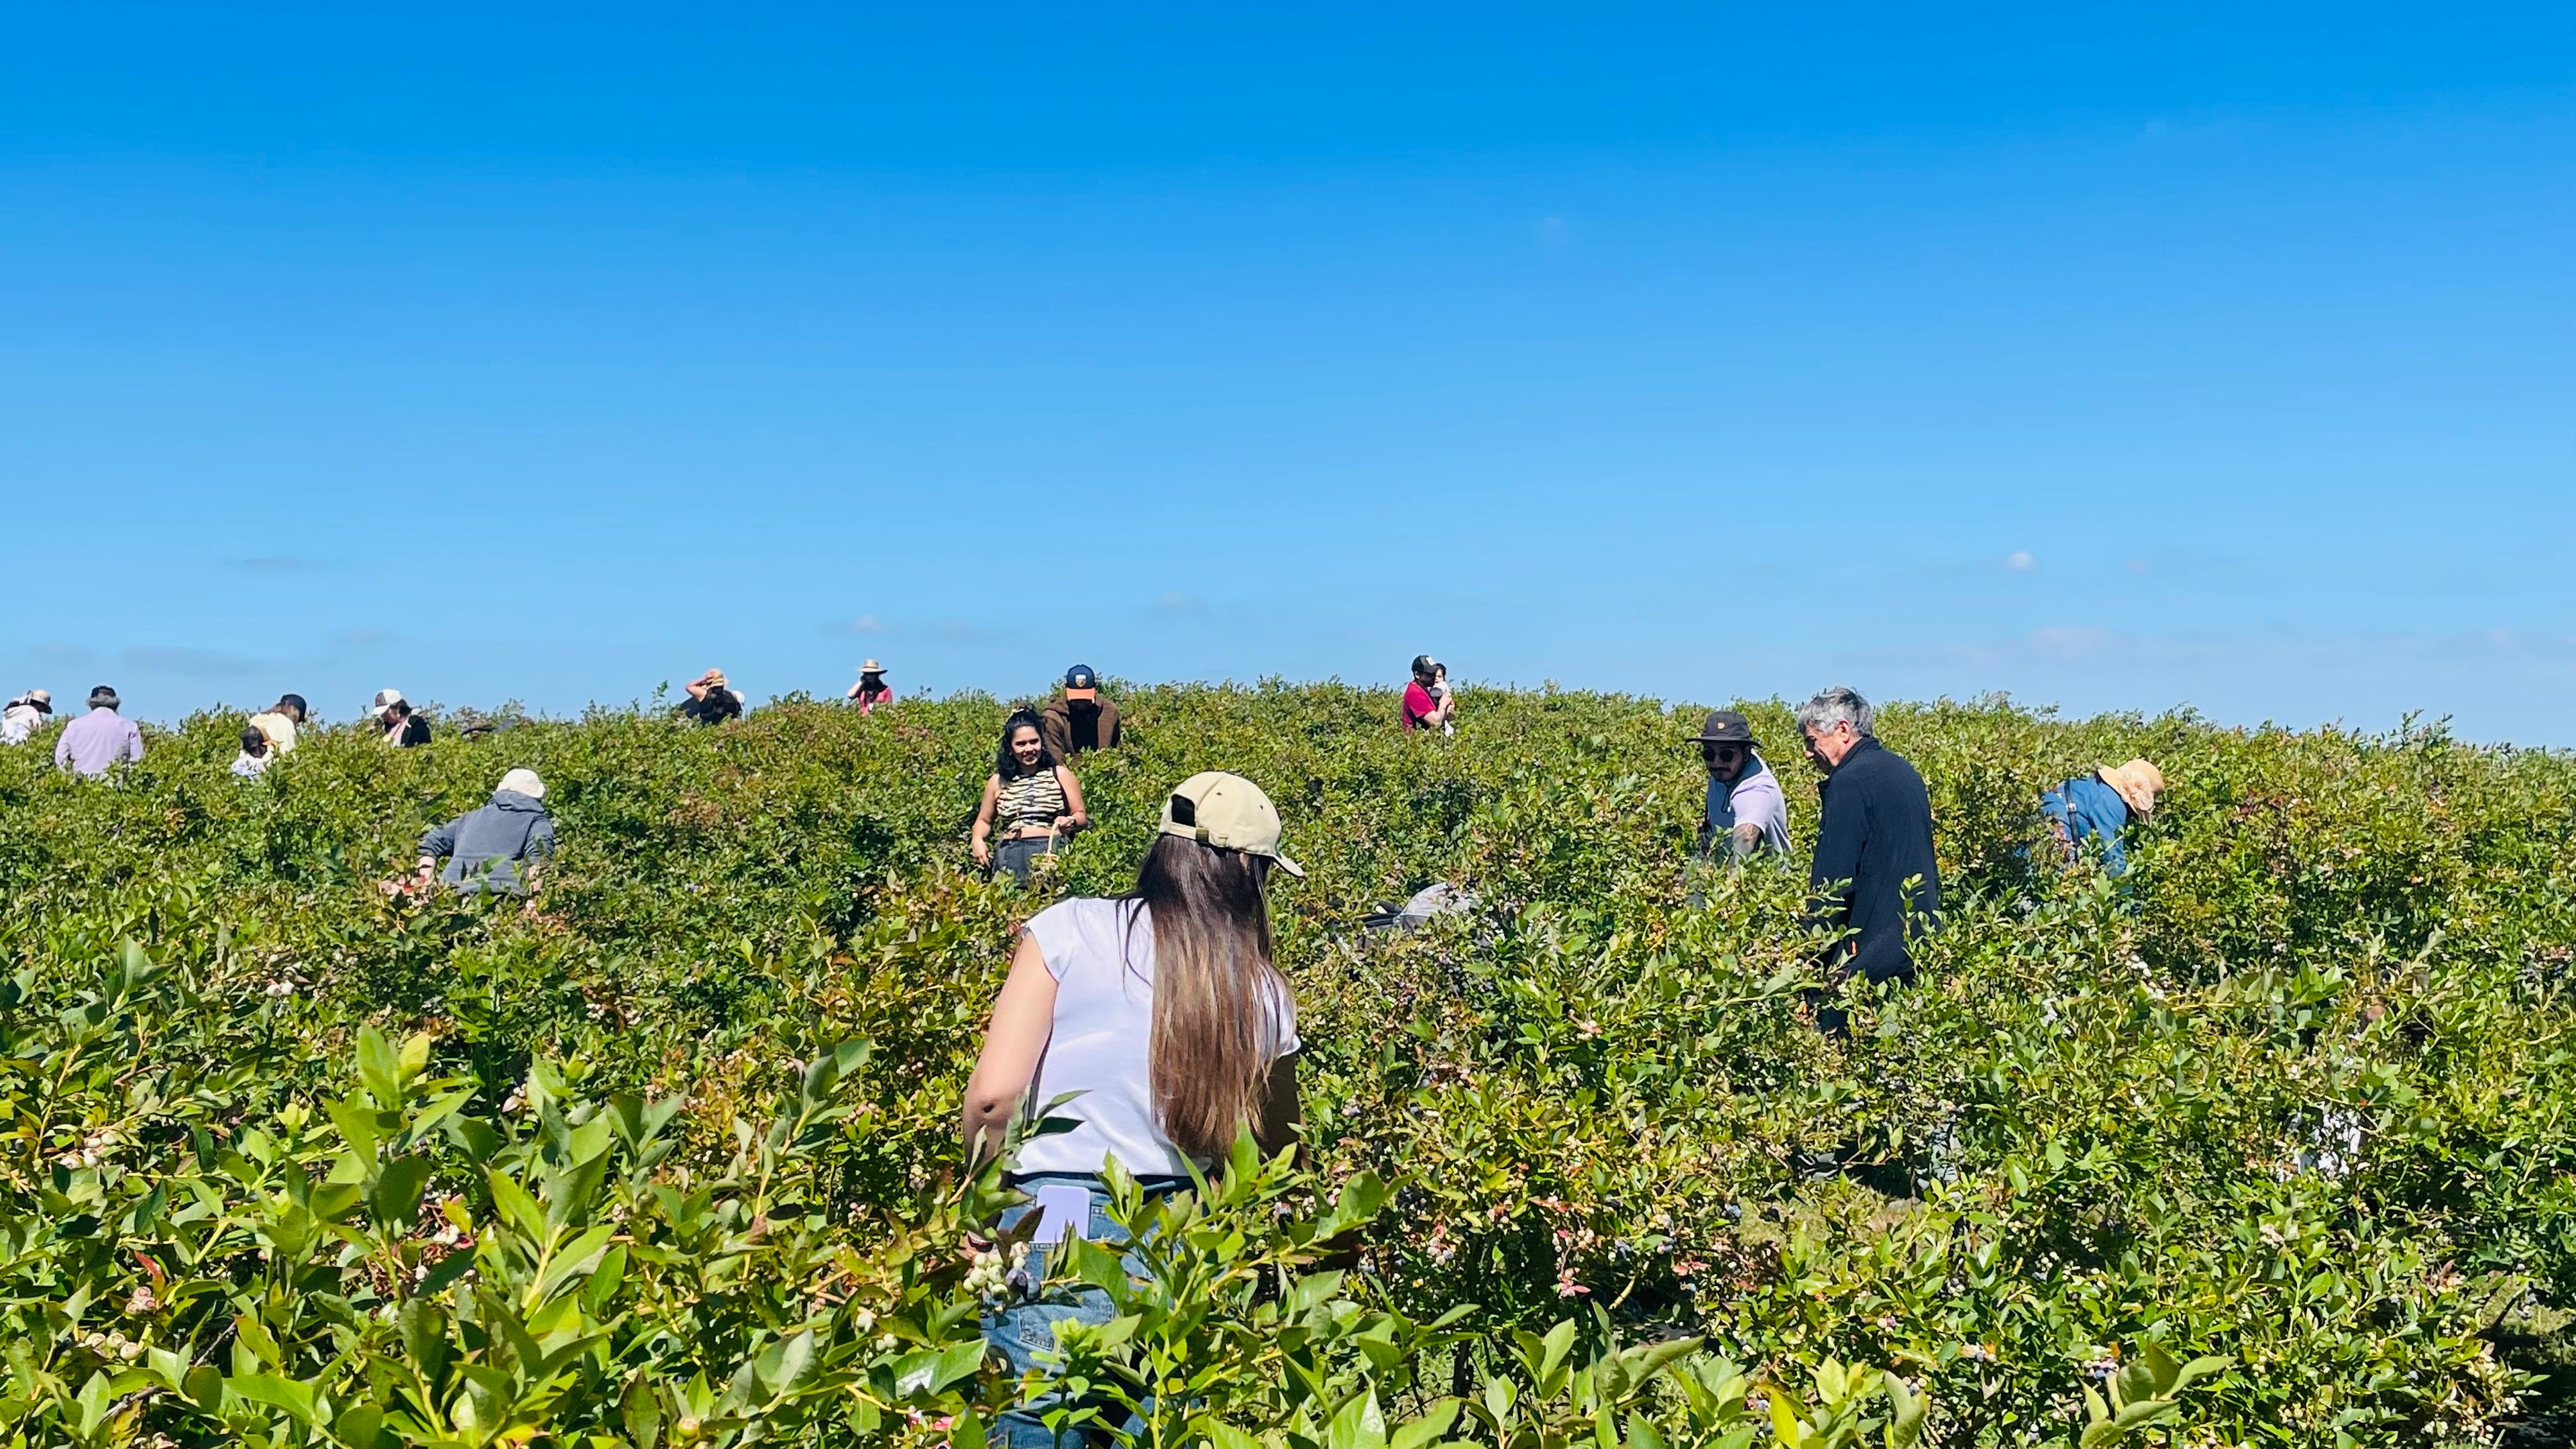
x=1023 y=1016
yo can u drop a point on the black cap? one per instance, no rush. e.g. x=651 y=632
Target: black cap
x=1424 y=664
x=1081 y=677
x=1726 y=727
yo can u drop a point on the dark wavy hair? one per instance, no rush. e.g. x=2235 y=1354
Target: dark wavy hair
x=1006 y=764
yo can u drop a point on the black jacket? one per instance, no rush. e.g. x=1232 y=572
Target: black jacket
x=1875 y=834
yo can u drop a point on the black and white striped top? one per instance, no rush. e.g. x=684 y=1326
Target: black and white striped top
x=1029 y=800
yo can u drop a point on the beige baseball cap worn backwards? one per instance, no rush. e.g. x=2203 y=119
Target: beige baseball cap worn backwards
x=1228 y=812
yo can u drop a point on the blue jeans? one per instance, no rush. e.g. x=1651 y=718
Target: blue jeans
x=1025 y=1326
x=1019 y=855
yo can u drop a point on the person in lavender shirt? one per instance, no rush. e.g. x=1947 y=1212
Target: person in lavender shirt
x=99 y=738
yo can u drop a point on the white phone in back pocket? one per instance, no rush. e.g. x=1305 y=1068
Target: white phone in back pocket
x=1064 y=1210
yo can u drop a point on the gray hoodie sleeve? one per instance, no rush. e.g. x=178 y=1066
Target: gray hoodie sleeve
x=440 y=841
x=541 y=839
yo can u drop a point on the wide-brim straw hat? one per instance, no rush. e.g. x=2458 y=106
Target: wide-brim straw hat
x=2137 y=783
x=871 y=667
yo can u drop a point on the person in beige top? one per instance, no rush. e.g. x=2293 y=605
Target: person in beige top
x=280 y=721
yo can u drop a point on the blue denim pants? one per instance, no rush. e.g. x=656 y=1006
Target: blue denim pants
x=1020 y=855
x=1024 y=1327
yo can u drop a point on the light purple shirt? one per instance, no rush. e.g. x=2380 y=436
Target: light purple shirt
x=97 y=740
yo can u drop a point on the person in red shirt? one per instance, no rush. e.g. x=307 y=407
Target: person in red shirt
x=871 y=690
x=1425 y=709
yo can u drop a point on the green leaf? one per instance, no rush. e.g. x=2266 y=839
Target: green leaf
x=379 y=1067
x=1905 y=1430
x=957 y=1361
x=640 y=1410
x=358 y=1426
x=517 y=1209
x=1559 y=1342
x=1435 y=1422
x=396 y=1199
x=277 y=1392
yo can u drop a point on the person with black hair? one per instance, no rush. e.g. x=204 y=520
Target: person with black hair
x=712 y=699
x=396 y=725
x=1428 y=705
x=280 y=721
x=255 y=754
x=1030 y=801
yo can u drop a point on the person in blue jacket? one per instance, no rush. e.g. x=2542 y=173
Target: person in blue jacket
x=2098 y=808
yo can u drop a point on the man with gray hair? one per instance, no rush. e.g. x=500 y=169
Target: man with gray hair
x=1874 y=866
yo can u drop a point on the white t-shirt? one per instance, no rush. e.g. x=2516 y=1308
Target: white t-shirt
x=1101 y=1042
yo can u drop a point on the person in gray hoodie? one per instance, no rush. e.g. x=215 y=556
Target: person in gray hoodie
x=497 y=847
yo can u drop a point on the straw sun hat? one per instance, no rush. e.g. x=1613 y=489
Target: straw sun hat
x=2137 y=783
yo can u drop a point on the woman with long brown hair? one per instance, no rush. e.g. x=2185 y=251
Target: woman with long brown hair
x=1163 y=1011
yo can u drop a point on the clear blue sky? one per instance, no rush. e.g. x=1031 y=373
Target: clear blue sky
x=2178 y=354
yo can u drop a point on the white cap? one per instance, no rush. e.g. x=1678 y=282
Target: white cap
x=524 y=782
x=388 y=698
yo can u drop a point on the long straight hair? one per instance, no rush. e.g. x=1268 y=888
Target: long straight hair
x=1217 y=997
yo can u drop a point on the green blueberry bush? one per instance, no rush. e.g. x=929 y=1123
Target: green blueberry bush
x=2269 y=1142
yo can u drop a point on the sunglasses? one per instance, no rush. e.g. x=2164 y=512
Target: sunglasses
x=1722 y=752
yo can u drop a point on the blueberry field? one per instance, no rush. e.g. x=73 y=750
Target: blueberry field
x=2271 y=1141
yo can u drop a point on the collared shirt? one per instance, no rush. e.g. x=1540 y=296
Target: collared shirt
x=97 y=740
x=2087 y=809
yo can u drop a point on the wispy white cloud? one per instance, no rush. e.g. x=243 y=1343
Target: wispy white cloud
x=2020 y=561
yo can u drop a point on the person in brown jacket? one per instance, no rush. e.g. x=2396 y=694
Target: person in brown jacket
x=1079 y=719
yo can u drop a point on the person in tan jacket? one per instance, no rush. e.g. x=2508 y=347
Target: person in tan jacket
x=1079 y=719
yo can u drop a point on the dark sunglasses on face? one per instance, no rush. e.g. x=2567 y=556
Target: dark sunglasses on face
x=1722 y=752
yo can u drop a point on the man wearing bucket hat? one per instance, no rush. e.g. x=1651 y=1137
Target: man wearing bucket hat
x=496 y=848
x=871 y=690
x=1078 y=719
x=25 y=715
x=2098 y=807
x=1745 y=813
x=98 y=739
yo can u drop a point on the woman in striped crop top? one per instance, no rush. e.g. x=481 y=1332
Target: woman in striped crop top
x=1030 y=802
